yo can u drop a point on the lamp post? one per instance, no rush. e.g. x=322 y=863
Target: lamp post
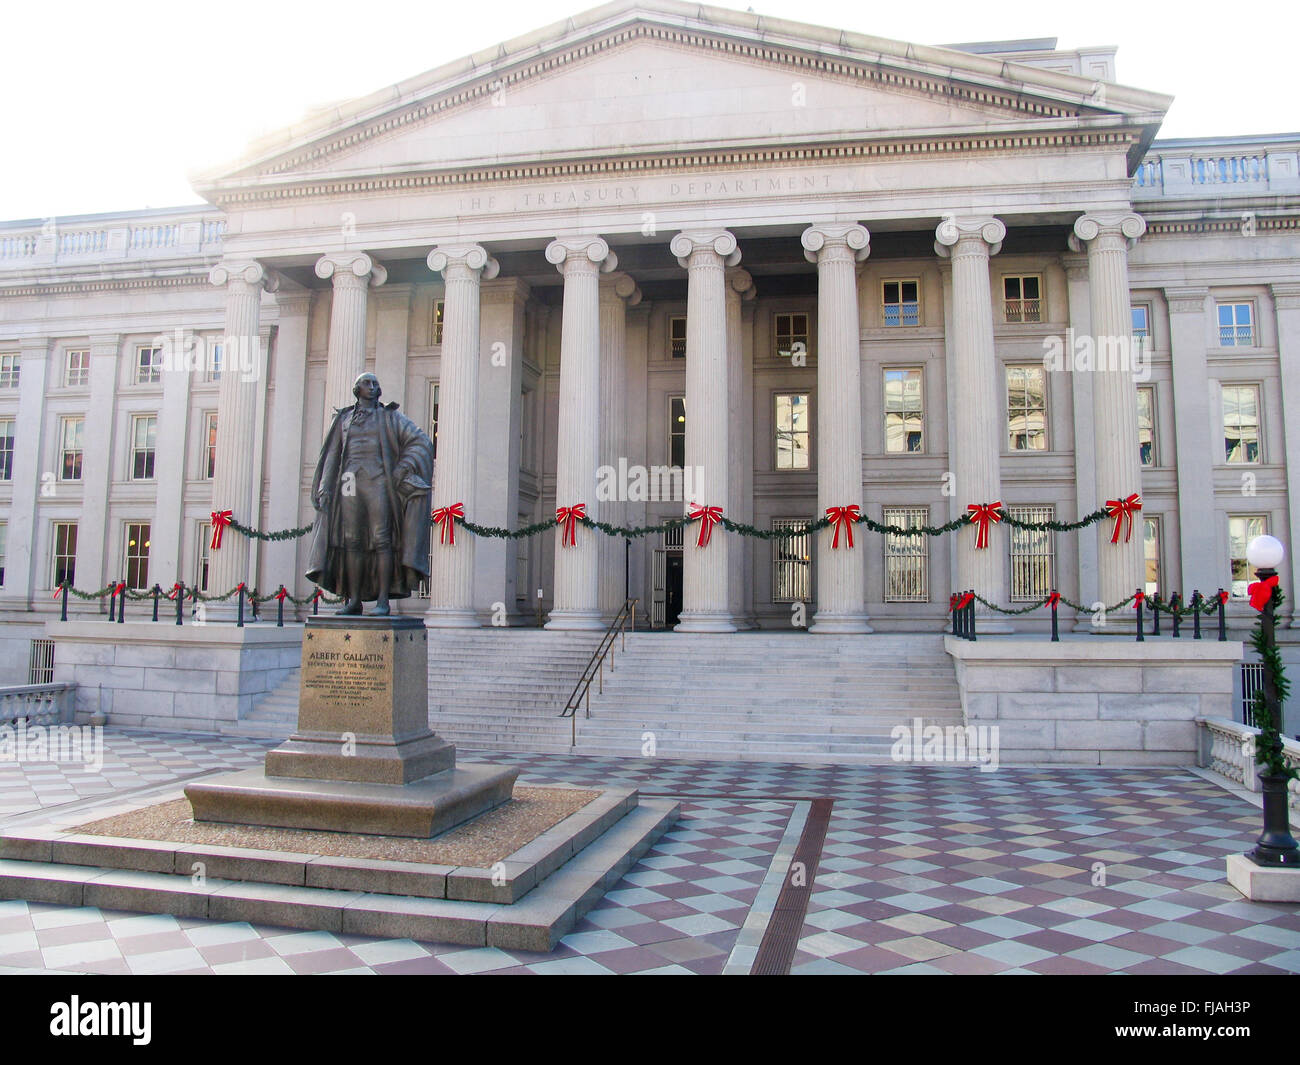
x=1275 y=846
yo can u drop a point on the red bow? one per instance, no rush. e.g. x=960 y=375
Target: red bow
x=282 y=592
x=965 y=600
x=952 y=602
x=1222 y=596
x=446 y=517
x=981 y=514
x=58 y=591
x=1261 y=592
x=220 y=519
x=843 y=516
x=1054 y=598
x=120 y=588
x=316 y=598
x=1122 y=511
x=708 y=518
x=175 y=588
x=1139 y=597
x=569 y=516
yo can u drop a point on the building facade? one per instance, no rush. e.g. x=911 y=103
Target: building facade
x=664 y=256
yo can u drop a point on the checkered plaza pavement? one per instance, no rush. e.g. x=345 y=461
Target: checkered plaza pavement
x=923 y=869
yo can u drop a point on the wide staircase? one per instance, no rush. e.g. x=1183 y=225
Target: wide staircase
x=791 y=697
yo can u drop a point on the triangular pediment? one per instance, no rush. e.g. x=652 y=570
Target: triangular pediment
x=648 y=80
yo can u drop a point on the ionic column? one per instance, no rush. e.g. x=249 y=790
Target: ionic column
x=235 y=485
x=706 y=571
x=1120 y=567
x=977 y=420
x=841 y=581
x=576 y=603
x=30 y=483
x=451 y=582
x=1286 y=306
x=353 y=274
x=740 y=415
x=618 y=292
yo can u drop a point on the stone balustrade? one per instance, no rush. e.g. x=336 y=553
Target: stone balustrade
x=45 y=704
x=180 y=233
x=1228 y=749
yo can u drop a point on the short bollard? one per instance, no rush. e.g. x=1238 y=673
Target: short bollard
x=1223 y=621
x=1196 y=614
x=179 y=592
x=1138 y=599
x=1176 y=604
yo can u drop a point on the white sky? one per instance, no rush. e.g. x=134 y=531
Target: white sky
x=108 y=106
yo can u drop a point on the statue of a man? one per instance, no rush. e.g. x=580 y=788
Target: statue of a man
x=371 y=491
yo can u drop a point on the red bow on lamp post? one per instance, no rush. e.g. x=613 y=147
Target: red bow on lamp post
x=982 y=515
x=220 y=519
x=1122 y=511
x=445 y=517
x=1261 y=592
x=175 y=588
x=708 y=517
x=569 y=516
x=1139 y=597
x=1053 y=599
x=845 y=517
x=280 y=595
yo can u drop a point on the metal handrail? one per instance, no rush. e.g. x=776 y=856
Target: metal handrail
x=595 y=667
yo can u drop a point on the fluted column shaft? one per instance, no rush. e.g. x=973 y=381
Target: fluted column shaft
x=1120 y=567
x=577 y=593
x=977 y=425
x=451 y=580
x=353 y=273
x=841 y=576
x=235 y=481
x=706 y=571
x=617 y=293
x=740 y=290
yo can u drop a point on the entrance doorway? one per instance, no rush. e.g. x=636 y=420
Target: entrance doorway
x=666 y=604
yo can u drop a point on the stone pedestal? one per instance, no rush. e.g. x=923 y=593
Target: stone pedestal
x=363 y=758
x=1263 y=883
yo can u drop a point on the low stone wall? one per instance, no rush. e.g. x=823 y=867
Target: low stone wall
x=1095 y=700
x=155 y=675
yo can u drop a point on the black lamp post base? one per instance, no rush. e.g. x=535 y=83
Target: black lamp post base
x=1275 y=846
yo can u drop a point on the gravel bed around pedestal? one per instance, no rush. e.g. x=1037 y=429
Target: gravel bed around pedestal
x=488 y=838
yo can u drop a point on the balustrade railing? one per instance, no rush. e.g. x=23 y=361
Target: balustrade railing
x=43 y=704
x=1227 y=748
x=115 y=238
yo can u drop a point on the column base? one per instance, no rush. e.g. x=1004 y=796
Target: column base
x=577 y=620
x=451 y=618
x=705 y=621
x=826 y=622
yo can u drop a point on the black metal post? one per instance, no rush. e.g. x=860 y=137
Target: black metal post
x=1155 y=614
x=1196 y=613
x=180 y=601
x=121 y=603
x=1176 y=604
x=157 y=591
x=1137 y=605
x=252 y=603
x=63 y=611
x=1275 y=846
x=1223 y=620
x=279 y=609
x=627 y=568
x=112 y=603
x=315 y=603
x=1056 y=633
x=970 y=617
x=239 y=593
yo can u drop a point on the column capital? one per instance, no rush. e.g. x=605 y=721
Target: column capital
x=249 y=271
x=985 y=229
x=1088 y=227
x=1186 y=300
x=563 y=251
x=351 y=267
x=828 y=238
x=721 y=242
x=473 y=257
x=741 y=282
x=620 y=286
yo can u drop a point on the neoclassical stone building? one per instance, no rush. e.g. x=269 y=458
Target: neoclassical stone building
x=811 y=268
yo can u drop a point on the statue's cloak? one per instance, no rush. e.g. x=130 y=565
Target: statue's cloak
x=407 y=455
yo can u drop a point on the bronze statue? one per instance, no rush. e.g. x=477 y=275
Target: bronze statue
x=371 y=492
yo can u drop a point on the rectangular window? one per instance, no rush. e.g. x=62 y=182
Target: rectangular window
x=1141 y=321
x=10 y=367
x=1241 y=530
x=790 y=334
x=72 y=431
x=435 y=328
x=677 y=337
x=76 y=368
x=907 y=558
x=203 y=555
x=136 y=556
x=148 y=365
x=1236 y=325
x=1241 y=423
x=65 y=553
x=1026 y=408
x=903 y=411
x=144 y=433
x=1032 y=554
x=1147 y=425
x=792 y=431
x=6 y=449
x=792 y=562
x=1023 y=298
x=522 y=586
x=677 y=431
x=1151 y=553
x=433 y=416
x=901 y=302
x=4 y=548
x=209 y=445
x=216 y=356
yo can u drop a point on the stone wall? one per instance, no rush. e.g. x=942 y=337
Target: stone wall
x=1095 y=700
x=181 y=678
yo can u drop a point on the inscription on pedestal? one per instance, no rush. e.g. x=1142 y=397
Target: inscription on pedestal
x=347 y=681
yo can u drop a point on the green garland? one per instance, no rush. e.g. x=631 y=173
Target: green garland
x=283 y=534
x=1047 y=599
x=1269 y=751
x=194 y=595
